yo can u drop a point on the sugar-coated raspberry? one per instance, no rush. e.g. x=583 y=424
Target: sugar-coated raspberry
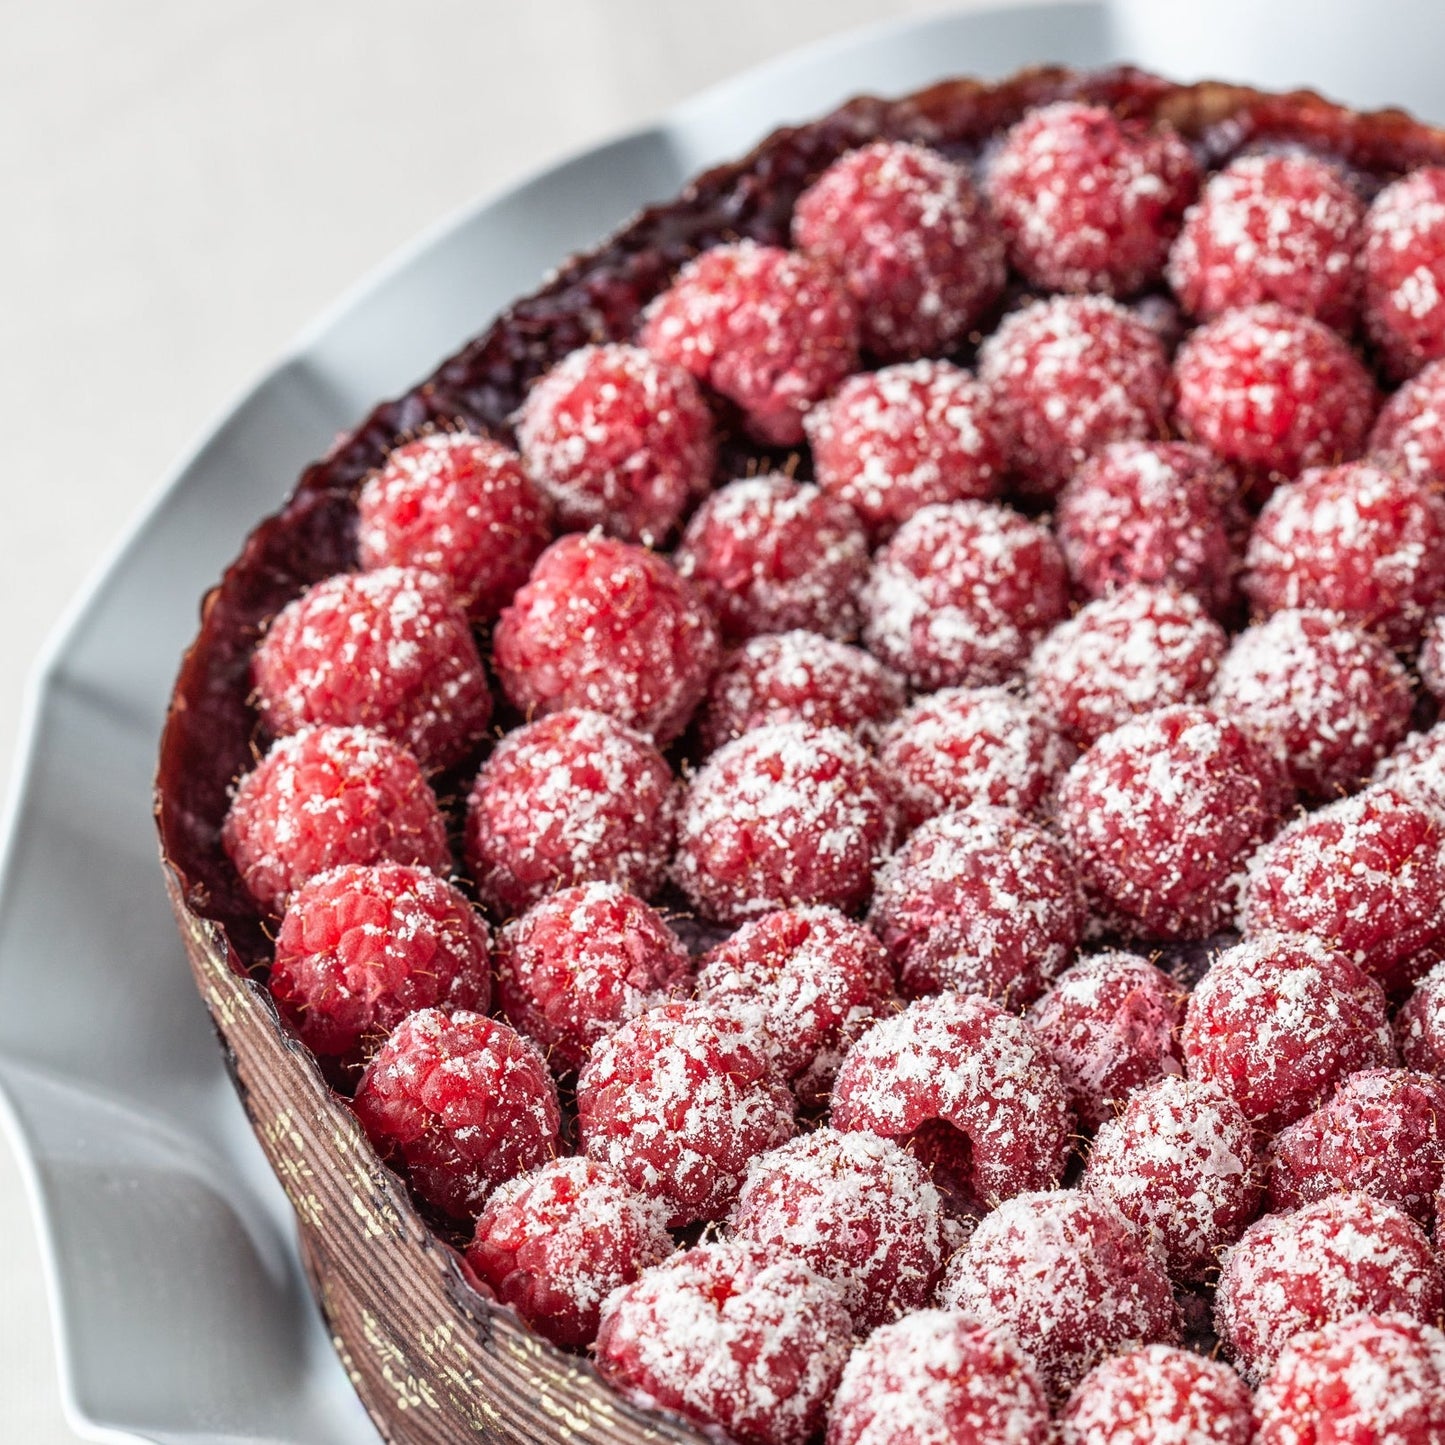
x=680 y=1099
x=572 y=798
x=769 y=554
x=1069 y=375
x=1089 y=201
x=1130 y=652
x=1278 y=1021
x=1342 y=1255
x=937 y=1378
x=1162 y=816
x=607 y=625
x=821 y=980
x=390 y=650
x=1404 y=270
x=463 y=1102
x=981 y=901
x=912 y=240
x=1357 y=540
x=1420 y=1024
x=1273 y=392
x=730 y=1336
x=890 y=442
x=771 y=330
x=324 y=797
x=461 y=506
x=1110 y=1024
x=362 y=946
x=555 y=1243
x=1416 y=769
x=1063 y=1274
x=785 y=815
x=961 y=594
x=960 y=1065
x=1431 y=662
x=1409 y=433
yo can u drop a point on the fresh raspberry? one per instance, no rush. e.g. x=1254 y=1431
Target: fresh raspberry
x=785 y=815
x=364 y=945
x=580 y=964
x=1420 y=1024
x=798 y=677
x=729 y=1336
x=1130 y=652
x=556 y=1242
x=1294 y=1272
x=821 y=980
x=769 y=554
x=463 y=1102
x=1162 y=816
x=1416 y=769
x=1089 y=201
x=324 y=797
x=771 y=330
x=606 y=625
x=980 y=901
x=571 y=798
x=961 y=594
x=935 y=1378
x=460 y=506
x=1278 y=1021
x=1357 y=540
x=857 y=1210
x=965 y=1085
x=1069 y=375
x=391 y=651
x=680 y=1099
x=1409 y=433
x=1273 y=392
x=1066 y=1278
x=1404 y=269
x=1165 y=513
x=893 y=441
x=1431 y=662
x=915 y=245
x=1110 y=1024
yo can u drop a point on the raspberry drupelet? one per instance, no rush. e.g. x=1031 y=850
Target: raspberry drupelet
x=463 y=1102
x=324 y=797
x=1420 y=1024
x=390 y=650
x=1403 y=261
x=461 y=506
x=571 y=798
x=1416 y=769
x=915 y=246
x=1409 y=433
x=773 y=331
x=606 y=625
x=961 y=594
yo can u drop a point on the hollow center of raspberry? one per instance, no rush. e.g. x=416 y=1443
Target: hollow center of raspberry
x=947 y=1154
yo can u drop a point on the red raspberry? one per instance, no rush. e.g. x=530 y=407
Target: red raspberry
x=606 y=625
x=935 y=1378
x=364 y=945
x=980 y=901
x=460 y=506
x=1066 y=1278
x=1128 y=653
x=1420 y=1024
x=1162 y=816
x=786 y=814
x=1278 y=1021
x=1416 y=769
x=391 y=651
x=1070 y=375
x=890 y=442
x=1110 y=1024
x=1404 y=267
x=730 y=1336
x=769 y=554
x=1431 y=662
x=1273 y=392
x=1089 y=201
x=961 y=594
x=680 y=1099
x=820 y=979
x=915 y=245
x=571 y=798
x=959 y=1065
x=328 y=796
x=1158 y=1394
x=771 y=330
x=463 y=1102
x=1409 y=433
